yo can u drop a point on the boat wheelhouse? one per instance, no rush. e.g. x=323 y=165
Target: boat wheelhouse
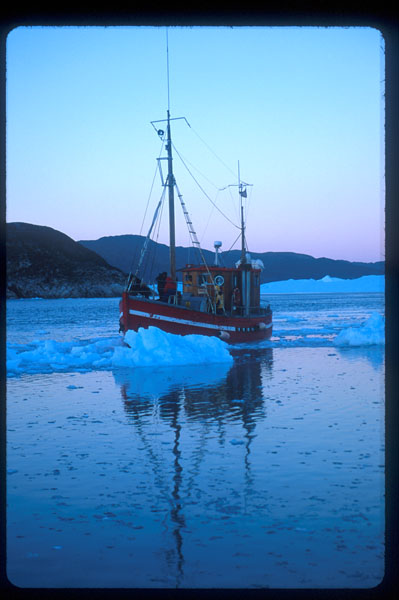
x=215 y=301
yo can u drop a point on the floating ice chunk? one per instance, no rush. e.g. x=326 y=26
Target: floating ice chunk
x=152 y=346
x=371 y=333
x=236 y=442
x=148 y=347
x=46 y=356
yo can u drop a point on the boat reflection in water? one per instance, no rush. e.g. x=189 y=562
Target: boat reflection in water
x=188 y=421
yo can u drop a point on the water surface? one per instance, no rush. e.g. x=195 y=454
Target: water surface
x=264 y=472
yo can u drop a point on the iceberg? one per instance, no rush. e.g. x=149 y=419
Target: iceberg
x=327 y=285
x=154 y=347
x=371 y=333
x=147 y=347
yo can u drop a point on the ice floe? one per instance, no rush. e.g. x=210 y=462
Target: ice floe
x=153 y=346
x=147 y=347
x=370 y=333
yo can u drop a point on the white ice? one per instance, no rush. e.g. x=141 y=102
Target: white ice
x=148 y=347
x=153 y=346
x=327 y=285
x=371 y=333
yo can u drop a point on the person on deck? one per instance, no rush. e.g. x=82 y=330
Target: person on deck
x=137 y=287
x=236 y=299
x=169 y=289
x=161 y=284
x=219 y=301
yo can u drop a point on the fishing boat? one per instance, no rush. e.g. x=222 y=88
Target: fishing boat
x=214 y=300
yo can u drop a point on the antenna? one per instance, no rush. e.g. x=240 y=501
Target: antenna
x=167 y=65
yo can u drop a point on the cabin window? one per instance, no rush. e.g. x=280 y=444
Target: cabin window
x=201 y=279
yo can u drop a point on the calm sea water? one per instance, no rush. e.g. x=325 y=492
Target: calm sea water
x=264 y=472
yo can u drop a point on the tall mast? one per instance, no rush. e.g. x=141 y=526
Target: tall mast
x=245 y=266
x=171 y=181
x=171 y=185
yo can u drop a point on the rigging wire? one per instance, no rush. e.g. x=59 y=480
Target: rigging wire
x=134 y=257
x=195 y=241
x=235 y=241
x=213 y=152
x=198 y=171
x=203 y=191
x=235 y=205
x=152 y=185
x=144 y=248
x=248 y=205
x=209 y=218
x=155 y=239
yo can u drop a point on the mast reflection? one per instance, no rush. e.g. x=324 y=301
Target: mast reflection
x=181 y=398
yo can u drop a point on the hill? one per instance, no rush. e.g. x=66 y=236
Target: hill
x=124 y=250
x=43 y=262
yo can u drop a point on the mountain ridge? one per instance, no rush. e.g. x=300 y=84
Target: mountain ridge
x=44 y=262
x=122 y=250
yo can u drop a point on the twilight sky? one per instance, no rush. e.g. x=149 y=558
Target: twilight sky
x=300 y=108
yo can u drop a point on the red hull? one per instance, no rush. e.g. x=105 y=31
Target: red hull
x=139 y=312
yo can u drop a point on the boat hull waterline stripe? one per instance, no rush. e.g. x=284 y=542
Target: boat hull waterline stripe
x=185 y=321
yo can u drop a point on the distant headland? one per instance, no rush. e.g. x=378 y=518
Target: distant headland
x=43 y=262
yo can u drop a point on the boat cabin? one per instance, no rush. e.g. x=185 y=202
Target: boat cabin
x=233 y=290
